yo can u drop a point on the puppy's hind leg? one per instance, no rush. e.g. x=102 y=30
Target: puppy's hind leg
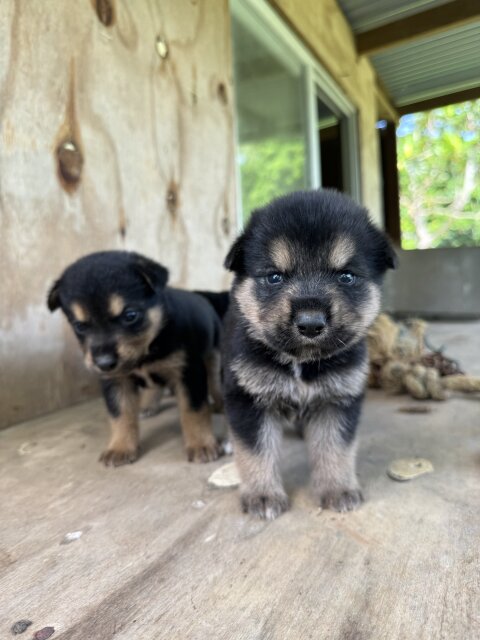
x=195 y=416
x=151 y=401
x=122 y=400
x=332 y=451
x=213 y=362
x=257 y=437
x=213 y=365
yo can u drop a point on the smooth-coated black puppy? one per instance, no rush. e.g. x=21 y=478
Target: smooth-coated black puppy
x=308 y=269
x=136 y=332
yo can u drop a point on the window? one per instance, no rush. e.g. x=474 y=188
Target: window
x=272 y=138
x=295 y=128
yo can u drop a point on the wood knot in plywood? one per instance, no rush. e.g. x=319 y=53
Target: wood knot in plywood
x=105 y=12
x=226 y=226
x=70 y=163
x=222 y=93
x=122 y=223
x=161 y=47
x=172 y=198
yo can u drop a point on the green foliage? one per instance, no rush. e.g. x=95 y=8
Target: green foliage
x=270 y=168
x=439 y=171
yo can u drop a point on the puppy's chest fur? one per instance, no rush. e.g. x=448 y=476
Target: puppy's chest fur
x=302 y=386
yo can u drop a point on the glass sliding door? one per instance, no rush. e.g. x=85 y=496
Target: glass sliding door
x=271 y=115
x=295 y=127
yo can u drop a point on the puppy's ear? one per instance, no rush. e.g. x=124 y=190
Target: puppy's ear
x=53 y=298
x=389 y=254
x=385 y=256
x=235 y=260
x=154 y=274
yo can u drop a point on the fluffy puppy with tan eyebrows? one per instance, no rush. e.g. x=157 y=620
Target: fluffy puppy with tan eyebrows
x=308 y=269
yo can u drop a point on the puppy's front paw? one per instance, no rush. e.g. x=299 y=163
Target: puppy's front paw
x=341 y=499
x=204 y=452
x=117 y=457
x=264 y=506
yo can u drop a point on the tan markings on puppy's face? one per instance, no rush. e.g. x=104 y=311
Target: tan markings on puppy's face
x=342 y=314
x=265 y=319
x=116 y=305
x=281 y=254
x=371 y=307
x=86 y=347
x=247 y=301
x=341 y=253
x=79 y=312
x=88 y=359
x=131 y=348
x=358 y=319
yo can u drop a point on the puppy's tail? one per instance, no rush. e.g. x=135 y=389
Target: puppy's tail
x=218 y=299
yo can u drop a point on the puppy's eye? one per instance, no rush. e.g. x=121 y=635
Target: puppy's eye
x=80 y=328
x=131 y=316
x=274 y=278
x=346 y=277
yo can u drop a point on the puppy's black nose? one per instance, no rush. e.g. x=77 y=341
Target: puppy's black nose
x=310 y=323
x=105 y=361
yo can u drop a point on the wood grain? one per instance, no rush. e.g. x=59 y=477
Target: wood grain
x=156 y=137
x=164 y=555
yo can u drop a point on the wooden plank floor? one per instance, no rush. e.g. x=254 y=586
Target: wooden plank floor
x=163 y=555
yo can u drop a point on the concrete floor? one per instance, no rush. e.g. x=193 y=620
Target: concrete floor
x=163 y=555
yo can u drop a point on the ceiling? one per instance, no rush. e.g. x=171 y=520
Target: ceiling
x=426 y=52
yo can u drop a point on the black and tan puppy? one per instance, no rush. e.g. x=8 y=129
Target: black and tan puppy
x=136 y=332
x=308 y=270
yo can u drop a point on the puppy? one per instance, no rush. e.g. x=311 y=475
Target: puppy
x=308 y=270
x=136 y=332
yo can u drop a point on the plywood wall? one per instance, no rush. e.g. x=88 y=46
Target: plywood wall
x=323 y=27
x=135 y=99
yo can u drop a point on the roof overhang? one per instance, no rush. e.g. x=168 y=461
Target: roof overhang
x=426 y=52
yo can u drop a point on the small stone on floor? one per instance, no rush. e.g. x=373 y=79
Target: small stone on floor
x=71 y=537
x=226 y=476
x=409 y=468
x=44 y=634
x=20 y=626
x=415 y=408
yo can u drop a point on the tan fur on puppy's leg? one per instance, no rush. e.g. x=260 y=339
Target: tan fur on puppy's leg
x=334 y=481
x=123 y=445
x=262 y=492
x=198 y=436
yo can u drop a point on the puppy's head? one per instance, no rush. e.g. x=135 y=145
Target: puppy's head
x=308 y=272
x=113 y=301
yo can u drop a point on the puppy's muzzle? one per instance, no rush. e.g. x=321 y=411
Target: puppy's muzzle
x=105 y=362
x=310 y=323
